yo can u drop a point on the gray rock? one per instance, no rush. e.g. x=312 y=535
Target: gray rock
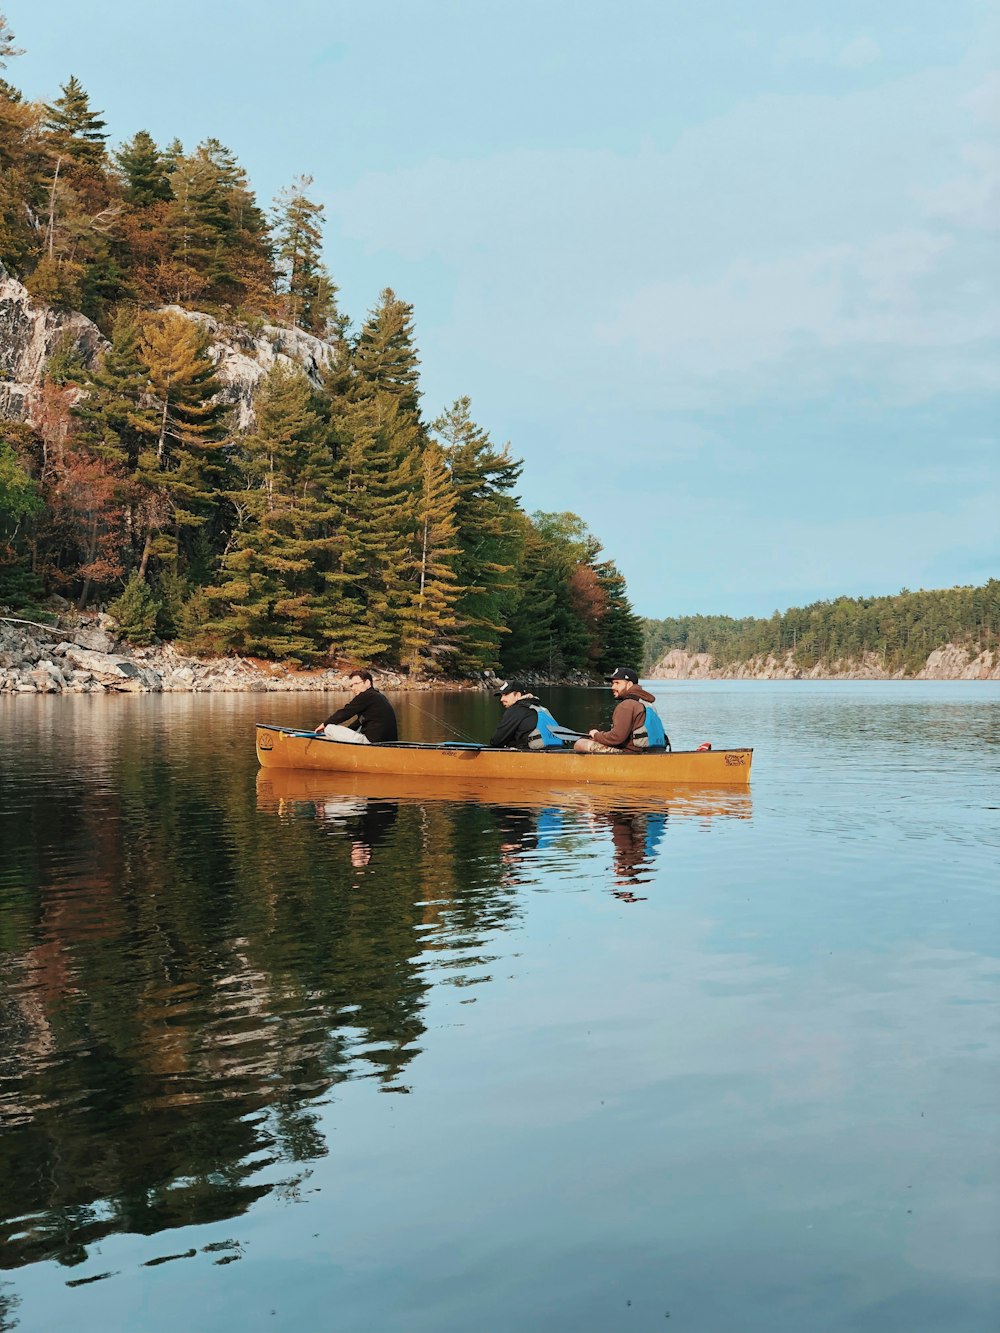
x=97 y=640
x=101 y=664
x=29 y=333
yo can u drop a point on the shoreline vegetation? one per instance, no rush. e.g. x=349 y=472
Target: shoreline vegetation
x=194 y=438
x=938 y=634
x=82 y=654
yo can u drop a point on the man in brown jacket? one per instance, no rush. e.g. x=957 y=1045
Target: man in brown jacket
x=628 y=718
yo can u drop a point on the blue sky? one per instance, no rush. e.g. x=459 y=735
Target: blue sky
x=726 y=276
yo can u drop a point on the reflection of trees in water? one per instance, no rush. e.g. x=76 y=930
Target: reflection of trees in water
x=167 y=1026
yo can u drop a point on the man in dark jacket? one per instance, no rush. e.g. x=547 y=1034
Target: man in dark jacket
x=520 y=718
x=369 y=711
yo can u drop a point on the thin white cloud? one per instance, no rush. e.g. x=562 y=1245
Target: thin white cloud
x=792 y=245
x=860 y=52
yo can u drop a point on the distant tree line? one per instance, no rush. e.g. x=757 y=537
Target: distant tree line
x=902 y=629
x=343 y=525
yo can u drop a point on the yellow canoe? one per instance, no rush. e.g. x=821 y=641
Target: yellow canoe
x=283 y=747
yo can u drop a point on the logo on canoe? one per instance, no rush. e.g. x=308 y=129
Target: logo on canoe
x=265 y=743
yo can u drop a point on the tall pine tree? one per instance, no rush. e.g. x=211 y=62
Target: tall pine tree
x=428 y=617
x=268 y=601
x=489 y=543
x=144 y=170
x=182 y=466
x=386 y=362
x=73 y=129
x=309 y=293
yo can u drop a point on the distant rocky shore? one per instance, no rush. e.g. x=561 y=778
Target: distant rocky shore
x=952 y=662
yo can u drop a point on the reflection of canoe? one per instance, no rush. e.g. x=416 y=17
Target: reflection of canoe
x=281 y=747
x=278 y=789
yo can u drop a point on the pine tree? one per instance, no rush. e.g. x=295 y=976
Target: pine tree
x=309 y=292
x=531 y=644
x=20 y=501
x=182 y=465
x=197 y=221
x=620 y=628
x=246 y=274
x=268 y=601
x=220 y=249
x=22 y=180
x=144 y=170
x=117 y=421
x=135 y=610
x=489 y=544
x=73 y=130
x=7 y=48
x=374 y=484
x=79 y=211
x=385 y=360
x=428 y=619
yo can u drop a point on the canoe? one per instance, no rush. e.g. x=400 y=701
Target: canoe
x=281 y=790
x=284 y=747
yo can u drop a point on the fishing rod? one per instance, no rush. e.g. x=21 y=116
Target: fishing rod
x=441 y=722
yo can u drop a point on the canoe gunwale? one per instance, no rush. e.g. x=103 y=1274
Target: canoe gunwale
x=486 y=749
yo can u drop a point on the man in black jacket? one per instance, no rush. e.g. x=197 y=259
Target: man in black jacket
x=519 y=719
x=370 y=711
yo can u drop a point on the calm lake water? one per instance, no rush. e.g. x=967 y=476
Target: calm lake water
x=292 y=1055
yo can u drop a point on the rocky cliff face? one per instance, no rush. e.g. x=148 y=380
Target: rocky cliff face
x=952 y=662
x=30 y=332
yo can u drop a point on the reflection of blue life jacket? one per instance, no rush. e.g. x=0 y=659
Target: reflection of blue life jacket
x=550 y=827
x=656 y=826
x=651 y=734
x=546 y=733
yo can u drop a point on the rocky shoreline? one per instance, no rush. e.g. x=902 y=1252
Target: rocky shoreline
x=82 y=655
x=952 y=662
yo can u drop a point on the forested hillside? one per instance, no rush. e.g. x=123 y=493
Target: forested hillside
x=902 y=629
x=344 y=523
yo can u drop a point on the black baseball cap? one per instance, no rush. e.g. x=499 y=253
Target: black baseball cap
x=624 y=673
x=507 y=687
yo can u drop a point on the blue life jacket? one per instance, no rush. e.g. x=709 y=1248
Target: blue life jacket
x=651 y=733
x=546 y=733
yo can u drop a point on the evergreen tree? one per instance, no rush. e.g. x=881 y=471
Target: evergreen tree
x=488 y=542
x=7 y=48
x=428 y=619
x=118 y=421
x=531 y=644
x=309 y=292
x=74 y=131
x=385 y=359
x=20 y=501
x=22 y=179
x=620 y=629
x=220 y=249
x=373 y=491
x=182 y=465
x=268 y=601
x=135 y=610
x=144 y=170
x=197 y=220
